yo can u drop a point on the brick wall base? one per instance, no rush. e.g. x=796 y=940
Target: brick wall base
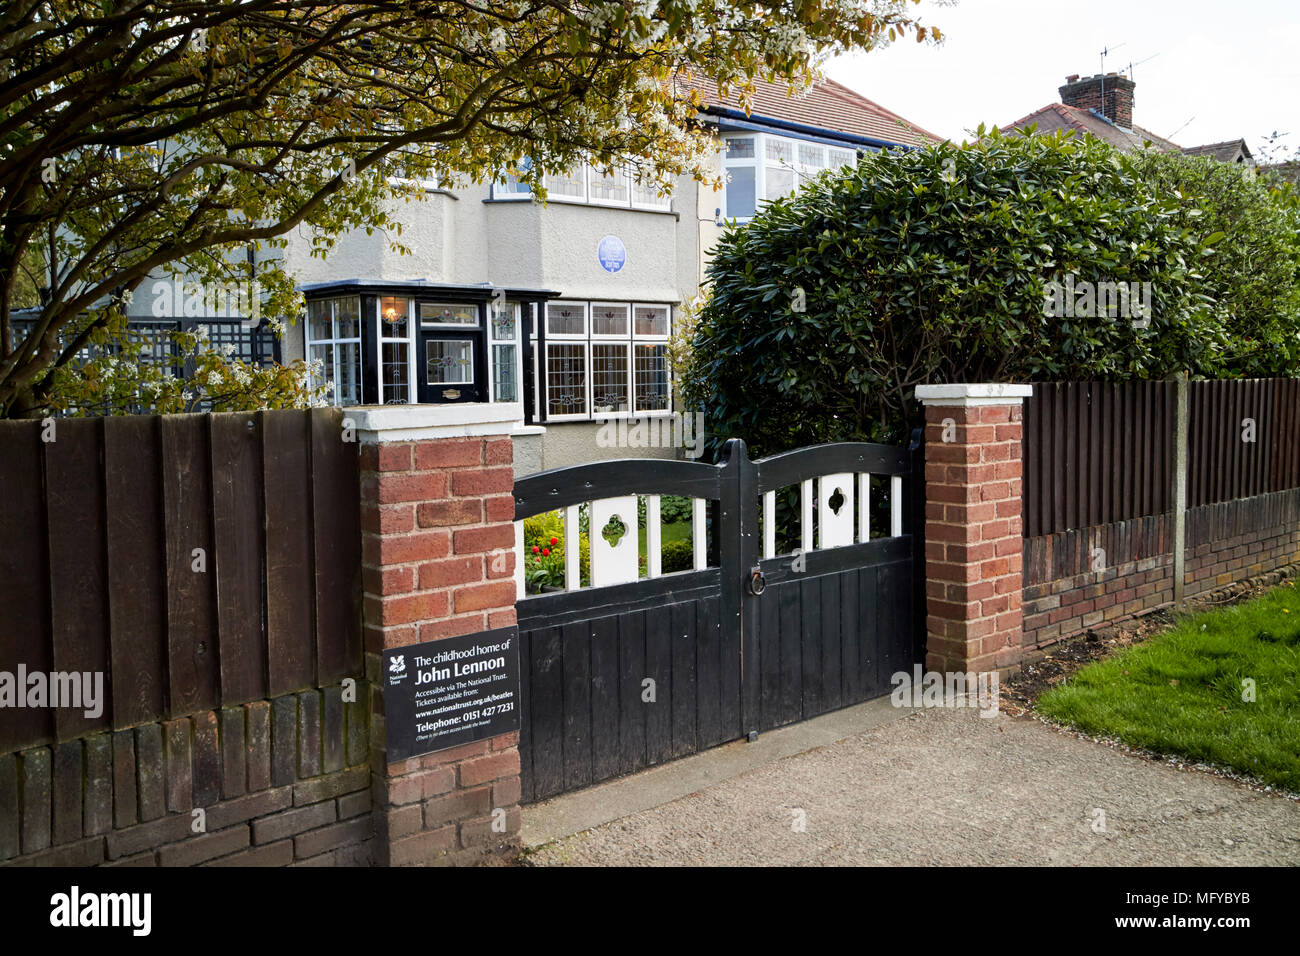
x=282 y=782
x=1227 y=543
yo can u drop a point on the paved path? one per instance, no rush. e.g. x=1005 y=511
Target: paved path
x=943 y=787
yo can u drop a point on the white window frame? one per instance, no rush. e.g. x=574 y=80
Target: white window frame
x=607 y=341
x=518 y=309
x=589 y=340
x=620 y=172
x=478 y=316
x=409 y=341
x=803 y=172
x=586 y=320
x=334 y=342
x=658 y=204
x=428 y=185
x=750 y=162
x=649 y=340
x=585 y=345
x=575 y=200
x=588 y=173
x=498 y=186
x=594 y=306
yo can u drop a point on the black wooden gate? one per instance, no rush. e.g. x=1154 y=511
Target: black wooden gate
x=618 y=678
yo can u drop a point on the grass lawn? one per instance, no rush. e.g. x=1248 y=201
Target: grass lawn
x=1181 y=691
x=677 y=531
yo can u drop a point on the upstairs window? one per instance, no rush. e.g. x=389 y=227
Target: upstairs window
x=761 y=167
x=510 y=186
x=591 y=186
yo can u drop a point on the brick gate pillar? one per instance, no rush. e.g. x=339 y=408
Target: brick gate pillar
x=437 y=512
x=973 y=529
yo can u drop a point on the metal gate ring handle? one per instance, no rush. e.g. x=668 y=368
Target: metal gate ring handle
x=757 y=583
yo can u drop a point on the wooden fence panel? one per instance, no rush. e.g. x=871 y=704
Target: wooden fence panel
x=24 y=579
x=290 y=628
x=75 y=521
x=1222 y=463
x=98 y=539
x=240 y=560
x=1096 y=452
x=336 y=510
x=193 y=675
x=137 y=577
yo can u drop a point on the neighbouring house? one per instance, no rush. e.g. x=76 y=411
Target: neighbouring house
x=1102 y=106
x=564 y=307
x=1232 y=151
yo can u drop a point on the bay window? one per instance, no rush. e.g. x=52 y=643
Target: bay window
x=388 y=344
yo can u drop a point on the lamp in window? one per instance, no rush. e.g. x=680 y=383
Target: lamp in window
x=390 y=315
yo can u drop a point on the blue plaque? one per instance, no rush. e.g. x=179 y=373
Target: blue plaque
x=611 y=253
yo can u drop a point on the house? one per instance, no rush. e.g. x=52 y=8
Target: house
x=565 y=307
x=1101 y=106
x=1233 y=151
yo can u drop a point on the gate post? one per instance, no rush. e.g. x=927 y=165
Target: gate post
x=973 y=527
x=438 y=561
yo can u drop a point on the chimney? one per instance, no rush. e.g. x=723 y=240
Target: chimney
x=1111 y=95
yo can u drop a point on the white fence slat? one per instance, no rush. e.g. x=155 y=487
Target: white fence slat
x=864 y=508
x=613 y=563
x=769 y=524
x=834 y=529
x=698 y=543
x=895 y=506
x=653 y=543
x=572 y=555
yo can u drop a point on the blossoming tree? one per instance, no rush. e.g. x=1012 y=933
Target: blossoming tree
x=143 y=135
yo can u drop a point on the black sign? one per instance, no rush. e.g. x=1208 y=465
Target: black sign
x=450 y=692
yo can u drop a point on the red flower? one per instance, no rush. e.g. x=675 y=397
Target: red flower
x=555 y=541
x=537 y=560
x=546 y=552
x=536 y=549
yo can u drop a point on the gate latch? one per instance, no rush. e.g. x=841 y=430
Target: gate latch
x=757 y=583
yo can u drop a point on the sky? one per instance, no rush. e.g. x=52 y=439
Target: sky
x=1204 y=72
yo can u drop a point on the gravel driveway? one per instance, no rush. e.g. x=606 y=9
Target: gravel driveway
x=949 y=787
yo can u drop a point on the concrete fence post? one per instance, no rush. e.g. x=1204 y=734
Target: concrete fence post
x=438 y=562
x=973 y=526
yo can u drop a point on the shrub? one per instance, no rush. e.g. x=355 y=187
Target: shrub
x=1253 y=276
x=829 y=307
x=672 y=508
x=676 y=556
